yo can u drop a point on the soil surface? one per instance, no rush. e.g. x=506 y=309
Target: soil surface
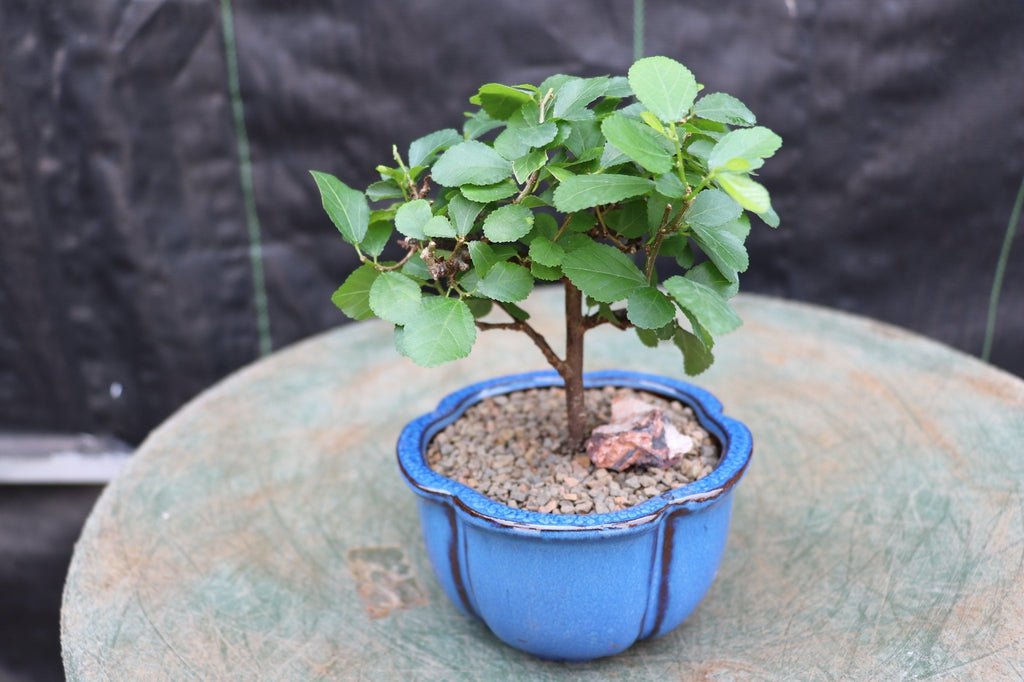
x=512 y=449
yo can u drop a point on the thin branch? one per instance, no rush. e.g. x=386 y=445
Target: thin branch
x=540 y=341
x=527 y=188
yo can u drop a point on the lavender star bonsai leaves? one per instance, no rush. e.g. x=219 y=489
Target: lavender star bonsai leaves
x=588 y=181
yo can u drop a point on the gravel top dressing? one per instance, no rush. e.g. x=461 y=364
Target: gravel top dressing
x=512 y=449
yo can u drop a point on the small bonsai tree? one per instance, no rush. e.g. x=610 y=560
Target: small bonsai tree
x=583 y=181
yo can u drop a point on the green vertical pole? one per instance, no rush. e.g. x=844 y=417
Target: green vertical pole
x=638 y=29
x=997 y=281
x=252 y=218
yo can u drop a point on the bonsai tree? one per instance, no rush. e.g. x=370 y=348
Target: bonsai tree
x=591 y=182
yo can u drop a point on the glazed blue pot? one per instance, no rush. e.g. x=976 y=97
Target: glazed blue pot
x=576 y=587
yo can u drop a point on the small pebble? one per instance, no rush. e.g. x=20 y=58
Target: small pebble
x=511 y=448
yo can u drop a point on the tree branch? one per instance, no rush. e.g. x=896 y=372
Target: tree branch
x=595 y=320
x=540 y=341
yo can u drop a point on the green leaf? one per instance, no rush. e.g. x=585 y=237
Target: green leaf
x=701 y=149
x=470 y=163
x=574 y=94
x=586 y=191
x=346 y=207
x=546 y=252
x=479 y=306
x=508 y=223
x=510 y=145
x=652 y=121
x=439 y=226
x=747 y=193
x=500 y=101
x=515 y=312
x=525 y=165
x=483 y=257
x=707 y=305
x=696 y=356
x=671 y=186
x=463 y=213
x=548 y=274
x=648 y=337
x=602 y=272
x=770 y=217
x=648 y=308
x=478 y=124
x=664 y=86
x=583 y=137
x=384 y=189
x=618 y=86
x=611 y=156
x=353 y=296
x=442 y=330
x=412 y=217
x=724 y=108
x=395 y=297
x=712 y=207
x=744 y=150
x=377 y=236
x=489 y=193
x=629 y=220
x=417 y=269
x=526 y=123
x=544 y=225
x=506 y=282
x=423 y=150
x=638 y=142
x=709 y=275
x=724 y=248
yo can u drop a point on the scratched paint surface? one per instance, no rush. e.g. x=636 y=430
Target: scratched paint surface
x=879 y=533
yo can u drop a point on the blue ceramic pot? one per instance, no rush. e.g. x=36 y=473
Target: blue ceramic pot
x=576 y=587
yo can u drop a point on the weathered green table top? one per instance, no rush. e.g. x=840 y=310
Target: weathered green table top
x=263 y=532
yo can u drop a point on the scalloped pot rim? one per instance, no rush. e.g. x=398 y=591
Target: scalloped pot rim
x=481 y=510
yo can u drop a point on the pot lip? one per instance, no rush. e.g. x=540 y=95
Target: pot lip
x=733 y=434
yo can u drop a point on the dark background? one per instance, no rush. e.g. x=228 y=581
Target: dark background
x=125 y=248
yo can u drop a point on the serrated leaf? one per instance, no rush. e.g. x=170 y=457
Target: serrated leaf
x=470 y=163
x=489 y=193
x=664 y=86
x=510 y=145
x=500 y=101
x=478 y=124
x=701 y=149
x=583 y=136
x=384 y=189
x=708 y=274
x=629 y=220
x=586 y=191
x=648 y=308
x=638 y=142
x=670 y=185
x=423 y=150
x=463 y=213
x=602 y=272
x=749 y=146
x=483 y=257
x=712 y=207
x=618 y=87
x=524 y=166
x=707 y=305
x=416 y=268
x=479 y=306
x=395 y=297
x=353 y=296
x=612 y=156
x=559 y=173
x=508 y=223
x=377 y=236
x=346 y=207
x=724 y=108
x=724 y=248
x=696 y=356
x=747 y=193
x=678 y=247
x=412 y=217
x=648 y=337
x=443 y=330
x=546 y=252
x=506 y=282
x=544 y=225
x=574 y=94
x=652 y=121
x=439 y=226
x=546 y=273
x=526 y=123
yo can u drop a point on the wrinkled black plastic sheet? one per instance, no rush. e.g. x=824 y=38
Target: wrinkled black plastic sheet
x=125 y=280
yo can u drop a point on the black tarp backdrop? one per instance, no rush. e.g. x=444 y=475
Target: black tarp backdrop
x=125 y=279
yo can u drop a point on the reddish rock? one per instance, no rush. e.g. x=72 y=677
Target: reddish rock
x=637 y=435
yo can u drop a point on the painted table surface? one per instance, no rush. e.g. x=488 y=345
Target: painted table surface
x=263 y=532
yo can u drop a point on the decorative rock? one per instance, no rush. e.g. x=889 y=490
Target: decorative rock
x=637 y=435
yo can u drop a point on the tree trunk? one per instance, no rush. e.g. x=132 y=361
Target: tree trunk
x=572 y=372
